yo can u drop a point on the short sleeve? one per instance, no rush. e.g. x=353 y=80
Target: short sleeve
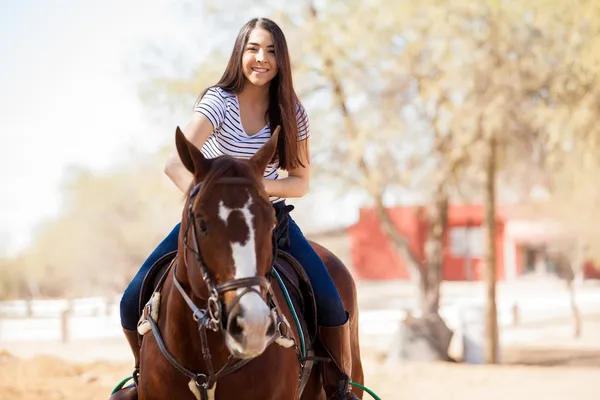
x=212 y=106
x=303 y=123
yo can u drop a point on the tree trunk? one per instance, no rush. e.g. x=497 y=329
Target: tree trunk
x=566 y=270
x=574 y=310
x=34 y=287
x=431 y=277
x=400 y=243
x=491 y=331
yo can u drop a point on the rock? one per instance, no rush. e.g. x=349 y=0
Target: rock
x=421 y=340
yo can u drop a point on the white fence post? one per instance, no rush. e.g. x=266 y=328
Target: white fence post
x=64 y=323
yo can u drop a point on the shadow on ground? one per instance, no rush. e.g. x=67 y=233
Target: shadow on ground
x=548 y=357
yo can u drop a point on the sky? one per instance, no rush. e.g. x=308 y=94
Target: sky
x=68 y=97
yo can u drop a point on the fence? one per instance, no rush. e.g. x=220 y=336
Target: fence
x=98 y=318
x=60 y=320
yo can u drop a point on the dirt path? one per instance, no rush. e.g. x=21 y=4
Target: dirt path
x=49 y=378
x=541 y=361
x=462 y=382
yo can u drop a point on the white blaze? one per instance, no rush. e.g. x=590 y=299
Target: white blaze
x=244 y=254
x=256 y=313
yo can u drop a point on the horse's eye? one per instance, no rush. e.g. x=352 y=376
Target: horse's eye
x=202 y=228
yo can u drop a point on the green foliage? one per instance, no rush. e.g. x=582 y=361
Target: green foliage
x=109 y=224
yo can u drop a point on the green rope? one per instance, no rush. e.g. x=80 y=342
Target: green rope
x=120 y=385
x=366 y=389
x=293 y=310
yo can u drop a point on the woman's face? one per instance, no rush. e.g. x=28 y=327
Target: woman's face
x=258 y=62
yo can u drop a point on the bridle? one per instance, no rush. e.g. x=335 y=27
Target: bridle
x=214 y=305
x=212 y=316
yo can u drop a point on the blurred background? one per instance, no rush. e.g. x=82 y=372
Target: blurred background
x=455 y=156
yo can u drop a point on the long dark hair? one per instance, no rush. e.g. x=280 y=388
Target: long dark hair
x=282 y=97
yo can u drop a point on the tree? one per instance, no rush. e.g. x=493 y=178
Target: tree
x=108 y=225
x=457 y=90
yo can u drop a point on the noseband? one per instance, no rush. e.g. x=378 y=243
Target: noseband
x=212 y=316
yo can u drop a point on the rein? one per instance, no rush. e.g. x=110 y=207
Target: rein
x=211 y=317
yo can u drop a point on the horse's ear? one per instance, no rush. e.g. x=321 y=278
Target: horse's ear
x=264 y=155
x=191 y=157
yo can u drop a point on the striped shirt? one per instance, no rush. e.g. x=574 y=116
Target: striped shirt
x=228 y=136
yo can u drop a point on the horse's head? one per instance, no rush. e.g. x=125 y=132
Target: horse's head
x=227 y=228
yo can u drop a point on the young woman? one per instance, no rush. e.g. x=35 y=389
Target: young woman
x=236 y=117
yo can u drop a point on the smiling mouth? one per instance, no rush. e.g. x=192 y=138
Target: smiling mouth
x=260 y=70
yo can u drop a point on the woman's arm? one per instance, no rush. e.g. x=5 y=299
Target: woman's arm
x=297 y=183
x=197 y=131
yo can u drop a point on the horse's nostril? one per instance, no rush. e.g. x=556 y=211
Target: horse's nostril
x=235 y=328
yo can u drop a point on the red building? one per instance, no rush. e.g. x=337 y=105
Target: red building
x=518 y=244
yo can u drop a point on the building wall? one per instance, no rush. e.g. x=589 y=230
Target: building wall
x=374 y=257
x=591 y=271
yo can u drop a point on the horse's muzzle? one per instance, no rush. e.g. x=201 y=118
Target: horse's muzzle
x=251 y=327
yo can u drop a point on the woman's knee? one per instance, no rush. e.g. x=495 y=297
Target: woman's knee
x=329 y=298
x=330 y=309
x=128 y=308
x=129 y=304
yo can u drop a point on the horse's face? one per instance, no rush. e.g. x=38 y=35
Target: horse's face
x=232 y=220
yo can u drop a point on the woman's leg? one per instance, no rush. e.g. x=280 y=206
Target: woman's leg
x=330 y=309
x=130 y=313
x=334 y=330
x=129 y=308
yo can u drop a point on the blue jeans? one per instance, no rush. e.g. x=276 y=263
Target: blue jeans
x=130 y=312
x=330 y=310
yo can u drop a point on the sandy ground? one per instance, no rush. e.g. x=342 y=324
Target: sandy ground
x=552 y=371
x=547 y=363
x=44 y=377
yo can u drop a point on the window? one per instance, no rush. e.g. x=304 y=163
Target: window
x=466 y=241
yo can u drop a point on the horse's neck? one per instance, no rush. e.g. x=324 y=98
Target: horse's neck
x=180 y=331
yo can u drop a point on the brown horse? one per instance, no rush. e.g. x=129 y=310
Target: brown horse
x=220 y=328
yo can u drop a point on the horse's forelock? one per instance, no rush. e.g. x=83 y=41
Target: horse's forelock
x=228 y=167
